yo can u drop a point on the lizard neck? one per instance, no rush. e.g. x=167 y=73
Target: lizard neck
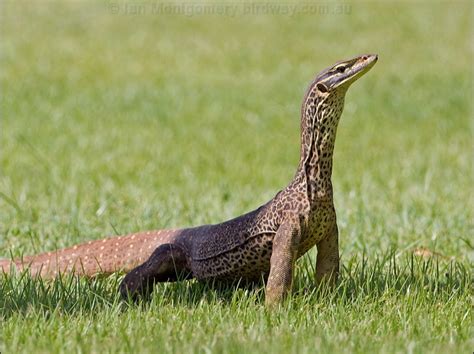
x=319 y=120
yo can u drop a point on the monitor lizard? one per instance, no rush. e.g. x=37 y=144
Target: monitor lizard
x=264 y=243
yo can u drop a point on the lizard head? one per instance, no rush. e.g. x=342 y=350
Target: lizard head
x=324 y=101
x=342 y=74
x=327 y=91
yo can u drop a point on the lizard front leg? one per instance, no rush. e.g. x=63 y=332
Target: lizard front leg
x=167 y=263
x=327 y=260
x=282 y=261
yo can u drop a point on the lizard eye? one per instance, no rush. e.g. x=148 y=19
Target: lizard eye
x=341 y=69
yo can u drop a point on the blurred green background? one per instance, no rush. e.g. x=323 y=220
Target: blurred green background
x=158 y=120
x=124 y=116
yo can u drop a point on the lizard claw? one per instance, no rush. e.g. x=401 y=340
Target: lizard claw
x=131 y=286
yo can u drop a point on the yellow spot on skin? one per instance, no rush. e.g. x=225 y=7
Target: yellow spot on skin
x=101 y=247
x=89 y=243
x=100 y=255
x=149 y=247
x=133 y=237
x=128 y=254
x=115 y=256
x=104 y=240
x=131 y=246
x=148 y=232
x=74 y=248
x=116 y=244
x=85 y=257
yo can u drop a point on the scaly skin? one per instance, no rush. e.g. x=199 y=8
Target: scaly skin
x=263 y=243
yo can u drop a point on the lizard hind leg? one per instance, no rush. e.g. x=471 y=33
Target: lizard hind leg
x=167 y=263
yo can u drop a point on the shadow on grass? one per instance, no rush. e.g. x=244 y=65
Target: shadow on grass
x=360 y=278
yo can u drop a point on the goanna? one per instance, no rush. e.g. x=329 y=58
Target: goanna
x=264 y=243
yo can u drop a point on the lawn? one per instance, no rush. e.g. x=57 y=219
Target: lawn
x=118 y=117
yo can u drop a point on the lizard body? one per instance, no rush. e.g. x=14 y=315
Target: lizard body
x=264 y=243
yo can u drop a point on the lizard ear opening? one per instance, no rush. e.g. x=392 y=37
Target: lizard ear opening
x=322 y=88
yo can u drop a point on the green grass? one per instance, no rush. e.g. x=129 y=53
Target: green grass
x=112 y=123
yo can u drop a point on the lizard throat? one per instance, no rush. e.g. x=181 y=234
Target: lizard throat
x=317 y=164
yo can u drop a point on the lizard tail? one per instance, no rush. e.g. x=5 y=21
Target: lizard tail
x=119 y=253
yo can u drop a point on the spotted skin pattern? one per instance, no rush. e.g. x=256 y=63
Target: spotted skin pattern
x=262 y=244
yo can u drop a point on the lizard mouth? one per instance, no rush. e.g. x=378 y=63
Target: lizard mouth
x=360 y=66
x=344 y=73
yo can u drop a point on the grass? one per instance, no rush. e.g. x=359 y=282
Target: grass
x=114 y=122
